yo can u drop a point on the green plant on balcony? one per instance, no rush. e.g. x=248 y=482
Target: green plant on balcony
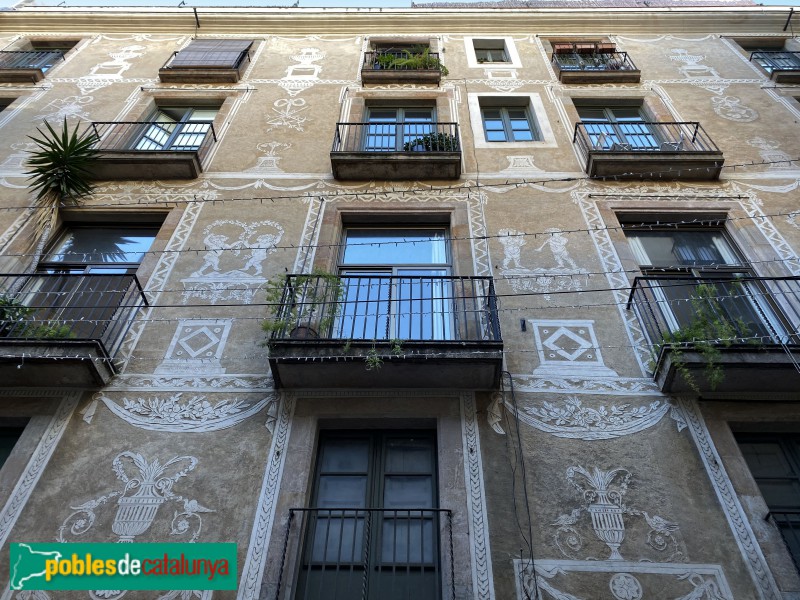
x=433 y=142
x=707 y=334
x=19 y=321
x=303 y=306
x=416 y=59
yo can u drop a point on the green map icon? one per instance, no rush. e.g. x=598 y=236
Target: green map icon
x=28 y=565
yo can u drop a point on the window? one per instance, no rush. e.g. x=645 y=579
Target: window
x=221 y=54
x=396 y=129
x=373 y=517
x=680 y=260
x=5 y=103
x=774 y=461
x=10 y=432
x=396 y=284
x=491 y=51
x=92 y=249
x=51 y=51
x=508 y=124
x=773 y=57
x=618 y=128
x=177 y=128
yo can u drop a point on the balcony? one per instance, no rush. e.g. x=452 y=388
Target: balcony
x=402 y=66
x=26 y=67
x=395 y=151
x=648 y=150
x=64 y=329
x=593 y=63
x=369 y=553
x=152 y=149
x=196 y=66
x=782 y=66
x=749 y=325
x=360 y=331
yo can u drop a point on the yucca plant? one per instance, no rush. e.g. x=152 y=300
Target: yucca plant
x=59 y=174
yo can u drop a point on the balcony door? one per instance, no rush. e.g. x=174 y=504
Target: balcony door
x=395 y=129
x=82 y=281
x=703 y=264
x=372 y=529
x=618 y=128
x=396 y=284
x=176 y=129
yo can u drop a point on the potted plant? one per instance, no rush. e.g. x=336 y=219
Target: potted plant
x=433 y=142
x=303 y=306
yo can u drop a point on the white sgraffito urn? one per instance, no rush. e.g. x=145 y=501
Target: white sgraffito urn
x=145 y=492
x=604 y=494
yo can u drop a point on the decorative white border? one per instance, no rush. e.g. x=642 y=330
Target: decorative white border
x=535 y=108
x=256 y=559
x=480 y=554
x=734 y=513
x=40 y=457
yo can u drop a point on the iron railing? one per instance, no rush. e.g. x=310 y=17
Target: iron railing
x=606 y=61
x=777 y=61
x=370 y=553
x=370 y=307
x=186 y=59
x=64 y=307
x=642 y=136
x=155 y=136
x=396 y=137
x=754 y=310
x=788 y=522
x=29 y=59
x=401 y=60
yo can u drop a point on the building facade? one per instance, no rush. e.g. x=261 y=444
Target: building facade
x=495 y=302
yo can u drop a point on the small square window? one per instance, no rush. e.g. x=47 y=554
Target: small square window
x=490 y=51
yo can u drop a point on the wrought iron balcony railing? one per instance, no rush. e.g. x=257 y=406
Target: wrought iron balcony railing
x=69 y=307
x=33 y=59
x=155 y=136
x=777 y=61
x=385 y=137
x=371 y=553
x=755 y=310
x=605 y=61
x=370 y=307
x=788 y=522
x=642 y=136
x=401 y=60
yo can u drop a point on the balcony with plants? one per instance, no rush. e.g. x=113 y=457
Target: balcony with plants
x=394 y=150
x=151 y=149
x=26 y=66
x=415 y=65
x=727 y=333
x=592 y=63
x=648 y=150
x=64 y=329
x=384 y=331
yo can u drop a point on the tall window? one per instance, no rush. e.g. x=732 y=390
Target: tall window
x=220 y=54
x=104 y=249
x=772 y=59
x=681 y=259
x=396 y=284
x=508 y=124
x=176 y=128
x=393 y=474
x=618 y=128
x=395 y=129
x=10 y=432
x=774 y=461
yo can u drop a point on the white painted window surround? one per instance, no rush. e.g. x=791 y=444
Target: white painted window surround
x=513 y=62
x=535 y=109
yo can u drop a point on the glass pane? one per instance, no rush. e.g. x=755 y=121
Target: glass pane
x=423 y=305
x=408 y=491
x=686 y=248
x=342 y=491
x=766 y=459
x=409 y=455
x=345 y=456
x=190 y=136
x=338 y=539
x=103 y=245
x=407 y=538
x=395 y=247
x=365 y=308
x=8 y=439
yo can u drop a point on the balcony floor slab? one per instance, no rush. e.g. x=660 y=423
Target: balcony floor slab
x=54 y=364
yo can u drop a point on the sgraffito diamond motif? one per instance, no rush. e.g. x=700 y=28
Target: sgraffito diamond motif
x=554 y=342
x=199 y=340
x=568 y=348
x=196 y=347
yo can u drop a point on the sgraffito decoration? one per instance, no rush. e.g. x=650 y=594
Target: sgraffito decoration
x=602 y=494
